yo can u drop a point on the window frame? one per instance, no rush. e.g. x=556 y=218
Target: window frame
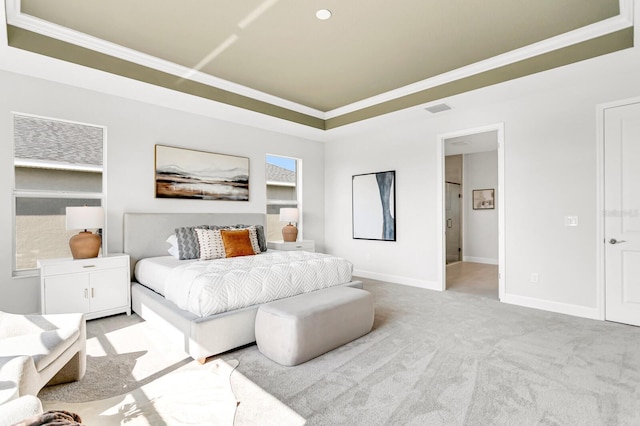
x=54 y=194
x=298 y=186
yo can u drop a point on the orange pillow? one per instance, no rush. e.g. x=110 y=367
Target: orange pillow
x=236 y=242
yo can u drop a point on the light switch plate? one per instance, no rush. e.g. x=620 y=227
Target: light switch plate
x=571 y=221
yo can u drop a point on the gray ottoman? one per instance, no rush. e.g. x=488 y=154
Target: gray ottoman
x=296 y=329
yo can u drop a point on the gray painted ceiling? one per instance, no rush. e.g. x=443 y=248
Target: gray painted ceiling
x=279 y=47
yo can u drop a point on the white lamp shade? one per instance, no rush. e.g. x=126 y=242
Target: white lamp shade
x=85 y=217
x=289 y=215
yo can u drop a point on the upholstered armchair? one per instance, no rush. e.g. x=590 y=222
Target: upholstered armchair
x=36 y=350
x=19 y=409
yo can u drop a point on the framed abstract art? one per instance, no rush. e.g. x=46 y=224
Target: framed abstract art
x=374 y=206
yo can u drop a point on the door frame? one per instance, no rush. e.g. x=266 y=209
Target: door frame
x=600 y=206
x=500 y=204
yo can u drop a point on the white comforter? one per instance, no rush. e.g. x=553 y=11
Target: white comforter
x=214 y=286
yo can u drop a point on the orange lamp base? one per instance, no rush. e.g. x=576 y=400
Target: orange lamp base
x=289 y=233
x=85 y=245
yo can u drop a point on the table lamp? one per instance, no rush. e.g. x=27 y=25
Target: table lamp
x=289 y=232
x=86 y=244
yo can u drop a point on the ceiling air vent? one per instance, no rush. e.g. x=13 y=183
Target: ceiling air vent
x=438 y=108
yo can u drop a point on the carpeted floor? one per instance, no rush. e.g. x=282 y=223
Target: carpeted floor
x=446 y=358
x=135 y=377
x=188 y=396
x=433 y=358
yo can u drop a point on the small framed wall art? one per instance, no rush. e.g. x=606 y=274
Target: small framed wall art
x=483 y=199
x=374 y=206
x=200 y=175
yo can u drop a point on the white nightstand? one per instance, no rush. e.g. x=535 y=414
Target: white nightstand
x=306 y=245
x=96 y=287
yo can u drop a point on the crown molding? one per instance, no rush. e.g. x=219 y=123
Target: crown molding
x=622 y=21
x=15 y=17
x=18 y=19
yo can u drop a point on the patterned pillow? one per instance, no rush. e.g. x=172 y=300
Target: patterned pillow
x=210 y=244
x=253 y=237
x=188 y=247
x=237 y=242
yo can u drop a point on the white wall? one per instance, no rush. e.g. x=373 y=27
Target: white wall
x=480 y=227
x=550 y=172
x=133 y=128
x=550 y=167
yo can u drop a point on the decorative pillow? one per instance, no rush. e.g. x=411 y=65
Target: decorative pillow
x=237 y=242
x=253 y=237
x=188 y=247
x=173 y=250
x=210 y=244
x=262 y=239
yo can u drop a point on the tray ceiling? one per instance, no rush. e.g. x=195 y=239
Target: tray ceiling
x=276 y=57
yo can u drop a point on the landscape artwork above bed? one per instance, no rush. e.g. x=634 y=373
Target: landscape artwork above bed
x=192 y=174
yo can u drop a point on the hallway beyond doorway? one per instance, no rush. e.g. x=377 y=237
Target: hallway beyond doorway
x=473 y=278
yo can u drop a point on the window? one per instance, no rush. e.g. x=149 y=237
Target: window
x=56 y=164
x=283 y=183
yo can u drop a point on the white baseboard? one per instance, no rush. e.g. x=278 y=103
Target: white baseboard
x=486 y=260
x=547 y=305
x=396 y=279
x=527 y=302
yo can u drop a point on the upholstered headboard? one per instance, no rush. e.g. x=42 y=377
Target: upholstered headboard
x=145 y=234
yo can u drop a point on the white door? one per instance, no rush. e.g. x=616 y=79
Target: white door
x=622 y=213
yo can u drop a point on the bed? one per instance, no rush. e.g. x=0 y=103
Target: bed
x=145 y=237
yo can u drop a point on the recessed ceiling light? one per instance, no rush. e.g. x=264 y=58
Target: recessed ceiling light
x=323 y=14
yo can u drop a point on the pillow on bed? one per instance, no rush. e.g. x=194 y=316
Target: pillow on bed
x=188 y=246
x=237 y=242
x=254 y=235
x=211 y=245
x=262 y=239
x=173 y=250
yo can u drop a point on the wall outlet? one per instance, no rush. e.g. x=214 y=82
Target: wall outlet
x=534 y=278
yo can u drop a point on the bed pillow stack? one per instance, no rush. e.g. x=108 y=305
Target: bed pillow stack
x=205 y=241
x=219 y=243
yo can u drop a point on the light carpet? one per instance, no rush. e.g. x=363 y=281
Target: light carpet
x=432 y=358
x=135 y=377
x=448 y=358
x=190 y=396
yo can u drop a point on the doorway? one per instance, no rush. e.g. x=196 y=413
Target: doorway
x=478 y=267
